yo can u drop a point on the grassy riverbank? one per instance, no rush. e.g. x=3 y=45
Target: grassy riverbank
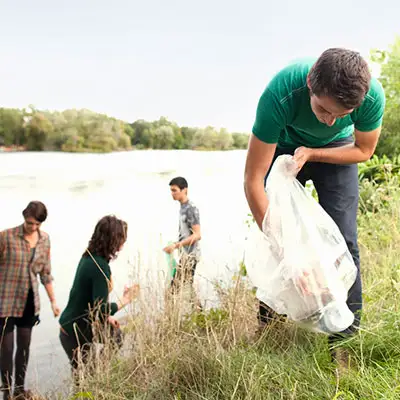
x=218 y=356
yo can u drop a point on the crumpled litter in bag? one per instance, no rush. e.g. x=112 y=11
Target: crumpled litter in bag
x=300 y=263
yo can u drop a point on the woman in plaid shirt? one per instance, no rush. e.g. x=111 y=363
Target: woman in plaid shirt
x=24 y=254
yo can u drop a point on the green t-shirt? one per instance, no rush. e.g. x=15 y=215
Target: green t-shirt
x=89 y=291
x=284 y=115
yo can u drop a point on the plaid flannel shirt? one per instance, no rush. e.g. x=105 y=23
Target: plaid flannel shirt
x=15 y=276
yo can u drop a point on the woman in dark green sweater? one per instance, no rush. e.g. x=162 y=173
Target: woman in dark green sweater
x=88 y=311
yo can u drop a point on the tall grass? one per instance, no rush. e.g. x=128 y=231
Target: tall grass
x=217 y=355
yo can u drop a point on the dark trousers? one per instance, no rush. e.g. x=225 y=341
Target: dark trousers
x=72 y=347
x=337 y=188
x=23 y=325
x=185 y=271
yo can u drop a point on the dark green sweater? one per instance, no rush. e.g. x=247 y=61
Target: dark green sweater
x=89 y=292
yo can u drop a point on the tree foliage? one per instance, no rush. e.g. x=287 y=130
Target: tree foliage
x=84 y=130
x=164 y=134
x=389 y=62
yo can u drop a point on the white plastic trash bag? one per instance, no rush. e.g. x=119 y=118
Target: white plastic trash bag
x=300 y=263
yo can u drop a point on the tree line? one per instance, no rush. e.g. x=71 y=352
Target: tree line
x=84 y=130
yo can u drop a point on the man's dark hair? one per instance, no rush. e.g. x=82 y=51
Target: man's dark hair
x=180 y=182
x=36 y=210
x=341 y=74
x=110 y=233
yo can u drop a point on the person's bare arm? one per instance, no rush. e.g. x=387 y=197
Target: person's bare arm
x=361 y=150
x=47 y=280
x=193 y=238
x=258 y=162
x=50 y=293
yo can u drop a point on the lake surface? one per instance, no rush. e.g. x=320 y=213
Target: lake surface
x=78 y=189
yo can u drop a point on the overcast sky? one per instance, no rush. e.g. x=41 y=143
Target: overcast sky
x=196 y=62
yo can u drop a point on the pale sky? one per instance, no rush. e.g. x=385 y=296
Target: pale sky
x=196 y=62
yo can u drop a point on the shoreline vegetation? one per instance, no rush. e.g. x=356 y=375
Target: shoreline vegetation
x=24 y=149
x=78 y=131
x=216 y=354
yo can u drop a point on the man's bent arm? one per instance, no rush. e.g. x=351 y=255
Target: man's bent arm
x=258 y=162
x=190 y=240
x=362 y=150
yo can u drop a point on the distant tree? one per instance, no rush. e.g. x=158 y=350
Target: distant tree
x=143 y=133
x=188 y=136
x=37 y=130
x=389 y=61
x=129 y=131
x=205 y=138
x=164 y=137
x=223 y=140
x=240 y=140
x=11 y=126
x=179 y=140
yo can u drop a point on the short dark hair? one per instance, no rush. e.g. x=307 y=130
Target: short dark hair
x=36 y=210
x=180 y=182
x=110 y=233
x=341 y=74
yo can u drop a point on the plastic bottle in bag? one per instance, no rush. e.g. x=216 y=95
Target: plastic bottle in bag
x=300 y=262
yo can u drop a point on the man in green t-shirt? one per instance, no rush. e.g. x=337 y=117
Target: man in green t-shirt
x=327 y=113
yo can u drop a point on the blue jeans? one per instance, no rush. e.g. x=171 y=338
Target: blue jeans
x=337 y=188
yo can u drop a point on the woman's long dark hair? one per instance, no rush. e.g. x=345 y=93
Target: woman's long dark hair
x=109 y=235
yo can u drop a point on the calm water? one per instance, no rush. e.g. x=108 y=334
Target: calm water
x=78 y=189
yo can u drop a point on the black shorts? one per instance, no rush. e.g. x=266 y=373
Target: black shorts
x=28 y=319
